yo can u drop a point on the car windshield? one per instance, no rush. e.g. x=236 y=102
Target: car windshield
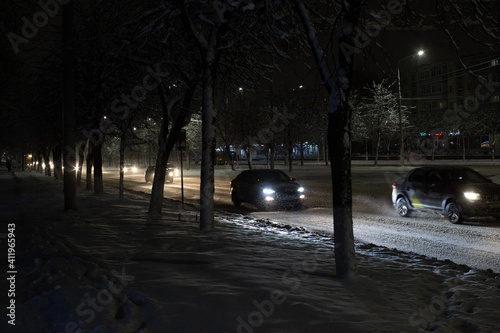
x=464 y=176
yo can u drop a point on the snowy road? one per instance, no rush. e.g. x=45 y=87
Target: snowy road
x=475 y=243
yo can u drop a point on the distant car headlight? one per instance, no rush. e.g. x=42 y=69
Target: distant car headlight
x=134 y=169
x=471 y=195
x=300 y=189
x=171 y=173
x=268 y=191
x=176 y=172
x=125 y=169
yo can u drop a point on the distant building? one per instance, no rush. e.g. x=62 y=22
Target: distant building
x=458 y=103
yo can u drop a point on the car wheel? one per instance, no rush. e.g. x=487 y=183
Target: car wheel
x=453 y=213
x=402 y=207
x=234 y=198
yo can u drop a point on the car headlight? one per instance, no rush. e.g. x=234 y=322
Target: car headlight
x=124 y=169
x=134 y=169
x=268 y=191
x=471 y=195
x=300 y=189
x=171 y=173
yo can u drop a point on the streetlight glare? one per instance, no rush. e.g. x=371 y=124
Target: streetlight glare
x=421 y=53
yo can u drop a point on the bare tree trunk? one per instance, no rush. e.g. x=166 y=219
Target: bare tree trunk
x=339 y=121
x=302 y=153
x=290 y=151
x=493 y=147
x=69 y=118
x=56 y=153
x=122 y=165
x=377 y=148
x=89 y=160
x=98 y=181
x=167 y=139
x=207 y=186
x=229 y=156
x=249 y=157
x=157 y=191
x=81 y=150
x=273 y=155
x=46 y=160
x=325 y=151
x=463 y=147
x=156 y=201
x=342 y=196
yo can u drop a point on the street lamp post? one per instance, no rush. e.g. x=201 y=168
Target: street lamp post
x=401 y=134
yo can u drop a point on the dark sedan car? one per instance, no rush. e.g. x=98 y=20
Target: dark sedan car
x=265 y=189
x=169 y=175
x=457 y=192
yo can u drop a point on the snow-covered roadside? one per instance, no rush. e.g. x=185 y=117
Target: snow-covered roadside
x=110 y=267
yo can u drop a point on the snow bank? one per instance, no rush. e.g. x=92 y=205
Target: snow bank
x=111 y=267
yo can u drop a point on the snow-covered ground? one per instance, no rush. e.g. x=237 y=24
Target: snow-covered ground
x=111 y=267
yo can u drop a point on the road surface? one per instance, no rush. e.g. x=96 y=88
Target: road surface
x=475 y=242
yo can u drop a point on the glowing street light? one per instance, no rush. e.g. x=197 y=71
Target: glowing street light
x=401 y=134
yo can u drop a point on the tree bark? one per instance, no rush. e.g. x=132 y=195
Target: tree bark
x=249 y=157
x=167 y=140
x=81 y=149
x=89 y=159
x=273 y=155
x=301 y=153
x=377 y=148
x=208 y=137
x=56 y=153
x=98 y=181
x=122 y=165
x=156 y=201
x=69 y=117
x=229 y=156
x=46 y=160
x=339 y=120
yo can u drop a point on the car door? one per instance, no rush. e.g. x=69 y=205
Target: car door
x=244 y=187
x=432 y=190
x=413 y=187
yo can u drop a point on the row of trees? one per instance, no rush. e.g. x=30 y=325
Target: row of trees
x=141 y=65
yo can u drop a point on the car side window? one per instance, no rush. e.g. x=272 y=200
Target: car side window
x=417 y=176
x=434 y=178
x=246 y=177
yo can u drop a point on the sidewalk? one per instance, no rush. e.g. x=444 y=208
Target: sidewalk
x=111 y=267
